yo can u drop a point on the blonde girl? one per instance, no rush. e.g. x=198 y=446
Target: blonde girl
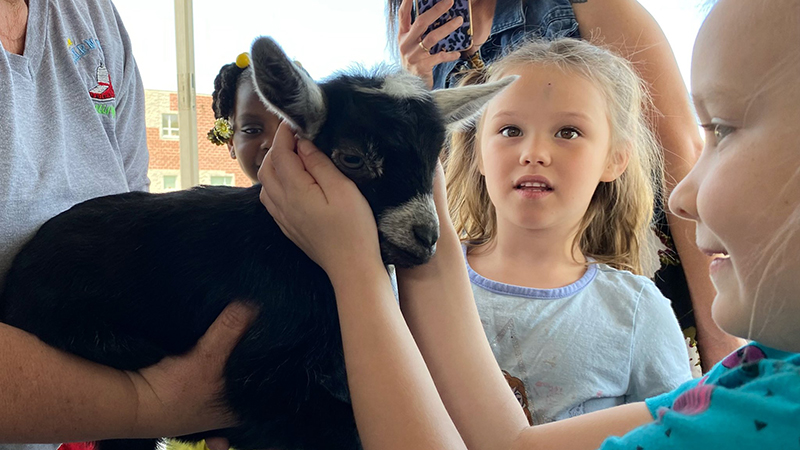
x=552 y=193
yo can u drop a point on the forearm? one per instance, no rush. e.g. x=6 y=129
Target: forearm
x=586 y=432
x=438 y=304
x=394 y=399
x=51 y=396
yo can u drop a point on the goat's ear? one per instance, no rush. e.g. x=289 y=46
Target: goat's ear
x=287 y=89
x=459 y=106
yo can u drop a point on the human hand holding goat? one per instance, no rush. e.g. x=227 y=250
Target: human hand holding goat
x=316 y=205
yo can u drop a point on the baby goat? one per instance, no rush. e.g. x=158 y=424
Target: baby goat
x=128 y=279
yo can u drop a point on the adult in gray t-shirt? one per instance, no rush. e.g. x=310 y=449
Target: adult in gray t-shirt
x=72 y=128
x=72 y=117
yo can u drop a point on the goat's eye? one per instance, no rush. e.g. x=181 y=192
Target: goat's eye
x=352 y=162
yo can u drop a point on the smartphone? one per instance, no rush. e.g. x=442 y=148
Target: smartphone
x=460 y=39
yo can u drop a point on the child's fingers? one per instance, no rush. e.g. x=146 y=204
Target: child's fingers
x=284 y=139
x=440 y=193
x=289 y=169
x=321 y=168
x=271 y=188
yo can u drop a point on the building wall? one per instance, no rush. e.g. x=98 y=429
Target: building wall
x=214 y=161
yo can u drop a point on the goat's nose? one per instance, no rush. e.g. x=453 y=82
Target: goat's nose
x=426 y=234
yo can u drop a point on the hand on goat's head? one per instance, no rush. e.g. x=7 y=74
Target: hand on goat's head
x=384 y=131
x=315 y=205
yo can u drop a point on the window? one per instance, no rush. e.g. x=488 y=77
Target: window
x=169 y=125
x=221 y=180
x=170 y=182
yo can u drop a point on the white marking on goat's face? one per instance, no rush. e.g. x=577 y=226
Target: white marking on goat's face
x=409 y=231
x=401 y=85
x=357 y=163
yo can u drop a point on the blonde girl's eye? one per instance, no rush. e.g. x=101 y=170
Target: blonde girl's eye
x=568 y=133
x=511 y=131
x=718 y=130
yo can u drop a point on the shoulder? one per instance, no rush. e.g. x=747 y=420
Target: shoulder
x=96 y=9
x=754 y=361
x=83 y=20
x=622 y=281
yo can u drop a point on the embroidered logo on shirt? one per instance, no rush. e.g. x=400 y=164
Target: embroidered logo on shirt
x=82 y=48
x=103 y=92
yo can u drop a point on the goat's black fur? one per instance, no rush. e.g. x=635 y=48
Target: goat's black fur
x=127 y=279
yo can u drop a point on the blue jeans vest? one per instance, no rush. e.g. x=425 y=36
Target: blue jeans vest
x=515 y=20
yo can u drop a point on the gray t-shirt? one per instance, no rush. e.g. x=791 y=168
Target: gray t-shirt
x=607 y=339
x=72 y=109
x=71 y=119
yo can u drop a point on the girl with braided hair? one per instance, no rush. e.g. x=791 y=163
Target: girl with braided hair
x=243 y=122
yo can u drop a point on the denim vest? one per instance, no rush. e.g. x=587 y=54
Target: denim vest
x=514 y=20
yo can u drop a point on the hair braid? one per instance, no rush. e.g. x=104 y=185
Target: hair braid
x=224 y=96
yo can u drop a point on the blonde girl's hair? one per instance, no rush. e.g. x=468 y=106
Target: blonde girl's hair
x=617 y=227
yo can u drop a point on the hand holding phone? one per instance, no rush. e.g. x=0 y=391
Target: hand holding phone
x=460 y=39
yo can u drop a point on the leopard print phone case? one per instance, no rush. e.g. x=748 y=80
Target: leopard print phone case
x=460 y=39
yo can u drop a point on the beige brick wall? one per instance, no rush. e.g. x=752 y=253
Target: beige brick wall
x=165 y=152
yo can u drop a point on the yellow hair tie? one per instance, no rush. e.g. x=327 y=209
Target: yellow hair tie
x=243 y=60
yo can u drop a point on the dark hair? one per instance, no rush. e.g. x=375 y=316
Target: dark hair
x=225 y=84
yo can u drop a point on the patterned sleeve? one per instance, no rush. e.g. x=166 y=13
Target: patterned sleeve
x=742 y=404
x=665 y=400
x=659 y=359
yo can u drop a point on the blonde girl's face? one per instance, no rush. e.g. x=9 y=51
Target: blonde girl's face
x=544 y=147
x=744 y=191
x=254 y=127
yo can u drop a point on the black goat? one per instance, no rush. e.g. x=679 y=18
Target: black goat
x=127 y=279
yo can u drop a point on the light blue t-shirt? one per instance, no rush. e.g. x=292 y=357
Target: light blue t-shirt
x=607 y=339
x=749 y=400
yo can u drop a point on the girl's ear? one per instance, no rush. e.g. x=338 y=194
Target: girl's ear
x=230 y=148
x=616 y=165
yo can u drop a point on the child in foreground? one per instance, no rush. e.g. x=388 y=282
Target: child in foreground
x=743 y=194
